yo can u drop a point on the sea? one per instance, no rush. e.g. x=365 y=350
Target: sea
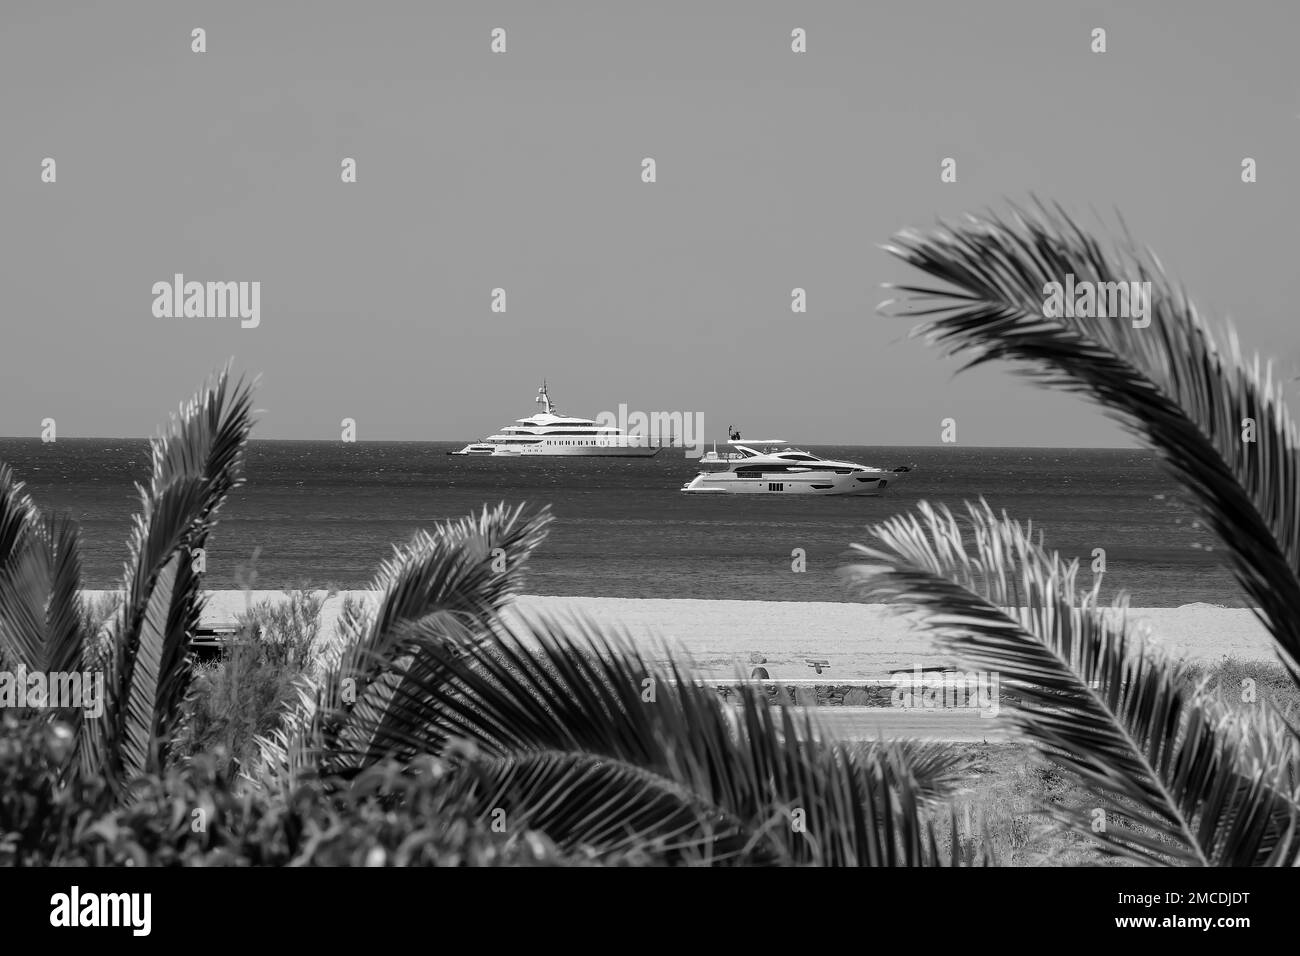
x=325 y=514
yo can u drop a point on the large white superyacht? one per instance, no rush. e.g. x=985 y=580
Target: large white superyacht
x=548 y=433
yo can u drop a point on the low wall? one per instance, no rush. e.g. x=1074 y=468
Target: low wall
x=868 y=693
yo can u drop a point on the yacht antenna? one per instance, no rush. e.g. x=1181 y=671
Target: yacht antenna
x=544 y=399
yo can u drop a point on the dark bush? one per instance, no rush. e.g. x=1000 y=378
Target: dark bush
x=389 y=816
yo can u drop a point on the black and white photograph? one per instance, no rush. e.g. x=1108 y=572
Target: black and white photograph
x=650 y=435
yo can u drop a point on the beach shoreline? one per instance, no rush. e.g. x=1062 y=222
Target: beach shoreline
x=861 y=641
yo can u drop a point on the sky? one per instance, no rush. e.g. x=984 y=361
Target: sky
x=523 y=171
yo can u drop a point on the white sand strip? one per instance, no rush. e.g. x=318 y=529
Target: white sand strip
x=861 y=641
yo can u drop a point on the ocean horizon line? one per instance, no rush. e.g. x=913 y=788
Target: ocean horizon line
x=264 y=592
x=36 y=439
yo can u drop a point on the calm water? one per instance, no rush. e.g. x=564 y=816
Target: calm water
x=325 y=513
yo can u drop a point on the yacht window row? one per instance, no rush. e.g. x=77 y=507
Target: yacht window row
x=591 y=434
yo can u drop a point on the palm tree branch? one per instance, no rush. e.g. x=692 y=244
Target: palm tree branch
x=196 y=463
x=1172 y=383
x=578 y=689
x=1100 y=704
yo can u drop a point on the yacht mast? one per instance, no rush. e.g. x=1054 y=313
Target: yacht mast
x=544 y=400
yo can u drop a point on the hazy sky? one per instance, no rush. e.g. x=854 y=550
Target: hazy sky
x=523 y=171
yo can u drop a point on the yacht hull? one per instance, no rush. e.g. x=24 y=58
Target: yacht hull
x=812 y=483
x=563 y=451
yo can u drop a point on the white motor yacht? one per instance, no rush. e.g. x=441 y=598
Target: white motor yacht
x=785 y=471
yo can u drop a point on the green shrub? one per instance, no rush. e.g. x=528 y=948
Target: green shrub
x=193 y=816
x=244 y=694
x=289 y=629
x=1270 y=683
x=233 y=701
x=38 y=815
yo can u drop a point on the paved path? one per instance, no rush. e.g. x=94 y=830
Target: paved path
x=869 y=723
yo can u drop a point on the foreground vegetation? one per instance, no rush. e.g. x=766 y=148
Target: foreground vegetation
x=430 y=733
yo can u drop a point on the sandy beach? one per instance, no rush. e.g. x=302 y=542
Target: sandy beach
x=861 y=641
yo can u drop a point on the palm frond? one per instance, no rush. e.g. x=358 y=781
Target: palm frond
x=64 y=615
x=467 y=570
x=196 y=463
x=565 y=739
x=21 y=630
x=40 y=580
x=610 y=807
x=1178 y=387
x=18 y=515
x=139 y=719
x=1188 y=782
x=572 y=693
